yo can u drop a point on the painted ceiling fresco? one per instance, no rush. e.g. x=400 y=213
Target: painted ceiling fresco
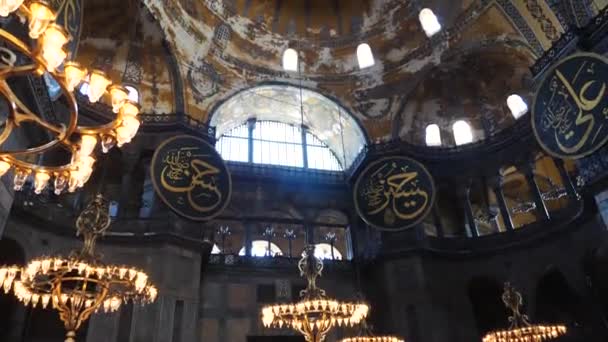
x=189 y=56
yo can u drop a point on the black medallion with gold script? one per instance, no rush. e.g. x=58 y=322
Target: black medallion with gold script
x=394 y=193
x=190 y=177
x=570 y=110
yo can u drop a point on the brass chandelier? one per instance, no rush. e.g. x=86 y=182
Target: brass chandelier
x=366 y=335
x=521 y=330
x=48 y=57
x=315 y=314
x=80 y=284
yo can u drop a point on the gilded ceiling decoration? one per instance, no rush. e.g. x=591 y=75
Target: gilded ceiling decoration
x=191 y=55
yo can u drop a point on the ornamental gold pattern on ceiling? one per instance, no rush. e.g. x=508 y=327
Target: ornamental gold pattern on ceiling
x=190 y=177
x=394 y=193
x=570 y=111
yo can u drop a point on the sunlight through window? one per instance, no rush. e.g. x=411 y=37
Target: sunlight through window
x=433 y=135
x=517 y=105
x=259 y=248
x=462 y=132
x=364 y=56
x=430 y=23
x=290 y=60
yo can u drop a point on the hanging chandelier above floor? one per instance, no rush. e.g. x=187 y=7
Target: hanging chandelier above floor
x=46 y=56
x=366 y=335
x=521 y=330
x=315 y=314
x=79 y=284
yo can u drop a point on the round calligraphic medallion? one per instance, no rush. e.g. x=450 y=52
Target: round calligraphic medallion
x=190 y=177
x=394 y=193
x=570 y=110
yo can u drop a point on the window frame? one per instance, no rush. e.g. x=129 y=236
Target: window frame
x=251 y=141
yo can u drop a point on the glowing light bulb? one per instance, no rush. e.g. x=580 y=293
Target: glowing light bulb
x=119 y=95
x=40 y=17
x=74 y=74
x=4 y=166
x=19 y=180
x=9 y=6
x=107 y=143
x=41 y=179
x=87 y=145
x=98 y=83
x=129 y=109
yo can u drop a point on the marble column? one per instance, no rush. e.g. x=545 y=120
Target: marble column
x=502 y=205
x=568 y=183
x=249 y=227
x=541 y=209
x=6 y=201
x=468 y=211
x=129 y=161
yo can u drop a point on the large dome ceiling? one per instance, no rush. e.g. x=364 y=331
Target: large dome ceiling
x=188 y=56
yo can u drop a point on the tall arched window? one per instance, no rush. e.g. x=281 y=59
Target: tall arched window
x=276 y=143
x=290 y=60
x=433 y=135
x=365 y=57
x=430 y=23
x=462 y=132
x=517 y=106
x=264 y=125
x=259 y=248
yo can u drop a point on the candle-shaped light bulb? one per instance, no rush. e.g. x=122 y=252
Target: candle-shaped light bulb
x=74 y=74
x=41 y=16
x=119 y=95
x=98 y=83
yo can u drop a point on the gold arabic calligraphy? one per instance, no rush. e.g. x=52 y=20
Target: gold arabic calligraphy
x=395 y=188
x=571 y=113
x=184 y=171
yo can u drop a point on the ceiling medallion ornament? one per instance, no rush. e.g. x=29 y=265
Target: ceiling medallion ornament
x=570 y=110
x=80 y=284
x=315 y=314
x=394 y=193
x=191 y=178
x=48 y=58
x=521 y=330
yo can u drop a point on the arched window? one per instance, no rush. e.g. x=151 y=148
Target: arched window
x=290 y=60
x=324 y=251
x=433 y=135
x=263 y=125
x=517 y=106
x=259 y=248
x=276 y=143
x=365 y=57
x=462 y=132
x=215 y=250
x=430 y=23
x=133 y=94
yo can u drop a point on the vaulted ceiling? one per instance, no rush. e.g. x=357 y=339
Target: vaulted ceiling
x=191 y=55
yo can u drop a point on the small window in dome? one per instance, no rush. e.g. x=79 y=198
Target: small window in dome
x=429 y=22
x=433 y=135
x=365 y=57
x=133 y=94
x=517 y=105
x=462 y=132
x=290 y=60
